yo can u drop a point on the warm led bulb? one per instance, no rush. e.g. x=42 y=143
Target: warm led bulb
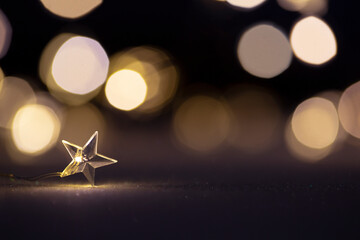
x=78 y=159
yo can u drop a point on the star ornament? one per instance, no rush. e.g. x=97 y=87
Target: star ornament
x=85 y=159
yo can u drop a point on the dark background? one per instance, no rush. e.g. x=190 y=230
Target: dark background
x=157 y=191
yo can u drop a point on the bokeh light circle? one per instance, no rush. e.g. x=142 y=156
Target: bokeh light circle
x=247 y=4
x=71 y=8
x=315 y=123
x=264 y=51
x=157 y=69
x=201 y=123
x=125 y=90
x=313 y=41
x=35 y=128
x=80 y=65
x=349 y=109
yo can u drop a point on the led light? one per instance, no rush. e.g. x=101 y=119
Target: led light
x=85 y=159
x=78 y=159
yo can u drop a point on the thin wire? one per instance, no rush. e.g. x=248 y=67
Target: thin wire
x=43 y=176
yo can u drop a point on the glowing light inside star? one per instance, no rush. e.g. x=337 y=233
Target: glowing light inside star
x=315 y=123
x=264 y=51
x=78 y=159
x=15 y=93
x=126 y=90
x=245 y=3
x=5 y=34
x=80 y=65
x=35 y=128
x=349 y=110
x=201 y=123
x=255 y=119
x=313 y=41
x=71 y=8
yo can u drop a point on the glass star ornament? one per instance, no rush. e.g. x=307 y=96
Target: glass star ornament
x=85 y=159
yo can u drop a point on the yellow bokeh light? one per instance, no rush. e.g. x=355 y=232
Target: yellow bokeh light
x=70 y=8
x=349 y=110
x=313 y=41
x=80 y=65
x=201 y=123
x=156 y=68
x=315 y=123
x=264 y=51
x=255 y=119
x=35 y=128
x=245 y=3
x=125 y=90
x=302 y=152
x=15 y=93
x=5 y=34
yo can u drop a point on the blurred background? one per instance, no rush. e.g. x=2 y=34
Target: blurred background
x=196 y=90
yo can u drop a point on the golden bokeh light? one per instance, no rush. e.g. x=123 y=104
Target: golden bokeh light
x=156 y=68
x=256 y=119
x=313 y=41
x=34 y=129
x=247 y=4
x=71 y=8
x=125 y=90
x=264 y=51
x=349 y=110
x=15 y=93
x=302 y=152
x=5 y=34
x=46 y=76
x=201 y=123
x=79 y=121
x=307 y=7
x=315 y=123
x=80 y=65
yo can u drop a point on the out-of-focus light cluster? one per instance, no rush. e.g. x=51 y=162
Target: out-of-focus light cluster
x=73 y=68
x=306 y=7
x=143 y=79
x=31 y=118
x=314 y=130
x=71 y=8
x=248 y=118
x=5 y=34
x=264 y=51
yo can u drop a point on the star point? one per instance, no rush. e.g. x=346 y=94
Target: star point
x=85 y=159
